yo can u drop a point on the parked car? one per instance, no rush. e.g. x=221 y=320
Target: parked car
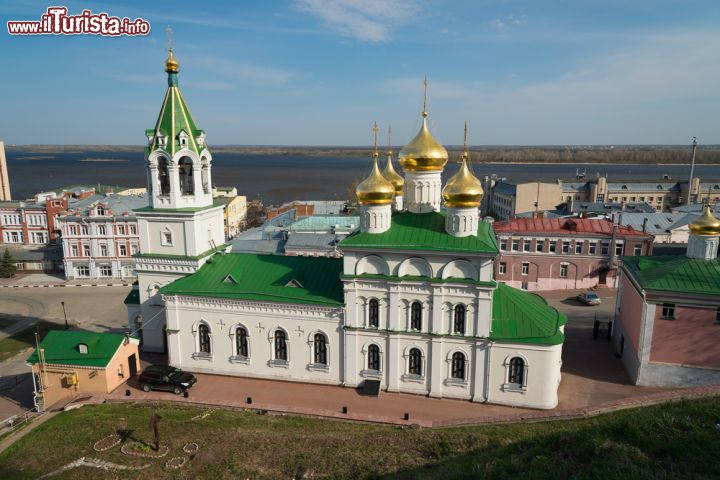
x=589 y=298
x=165 y=377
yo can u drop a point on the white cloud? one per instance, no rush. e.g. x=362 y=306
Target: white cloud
x=497 y=24
x=367 y=20
x=233 y=71
x=512 y=20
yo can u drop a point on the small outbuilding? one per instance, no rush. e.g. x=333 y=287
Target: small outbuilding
x=68 y=363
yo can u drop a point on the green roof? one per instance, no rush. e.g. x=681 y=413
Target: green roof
x=61 y=348
x=676 y=273
x=175 y=117
x=523 y=317
x=424 y=231
x=265 y=278
x=133 y=298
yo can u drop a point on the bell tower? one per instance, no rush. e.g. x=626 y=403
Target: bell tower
x=181 y=228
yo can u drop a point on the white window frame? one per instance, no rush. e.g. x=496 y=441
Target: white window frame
x=525 y=269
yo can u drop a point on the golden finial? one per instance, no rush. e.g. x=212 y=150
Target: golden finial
x=390 y=152
x=389 y=172
x=171 y=64
x=423 y=153
x=424 y=112
x=465 y=146
x=375 y=189
x=375 y=133
x=463 y=190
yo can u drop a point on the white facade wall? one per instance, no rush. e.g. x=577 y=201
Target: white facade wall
x=261 y=320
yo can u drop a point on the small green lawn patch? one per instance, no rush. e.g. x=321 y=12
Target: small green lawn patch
x=660 y=442
x=24 y=339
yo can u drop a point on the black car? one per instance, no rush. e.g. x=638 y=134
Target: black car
x=165 y=377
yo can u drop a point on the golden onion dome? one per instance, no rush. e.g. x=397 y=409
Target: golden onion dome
x=423 y=153
x=375 y=189
x=463 y=190
x=393 y=177
x=171 y=64
x=705 y=224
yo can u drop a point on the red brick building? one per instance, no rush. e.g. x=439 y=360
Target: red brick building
x=27 y=223
x=564 y=253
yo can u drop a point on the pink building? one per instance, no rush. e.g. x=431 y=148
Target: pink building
x=667 y=324
x=564 y=253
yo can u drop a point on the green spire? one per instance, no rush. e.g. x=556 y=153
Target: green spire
x=175 y=120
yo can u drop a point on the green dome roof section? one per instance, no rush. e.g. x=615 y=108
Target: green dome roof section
x=523 y=317
x=424 y=232
x=265 y=278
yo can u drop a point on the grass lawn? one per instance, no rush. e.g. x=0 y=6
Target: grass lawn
x=662 y=442
x=24 y=339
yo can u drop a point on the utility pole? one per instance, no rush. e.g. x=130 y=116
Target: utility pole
x=692 y=169
x=67 y=327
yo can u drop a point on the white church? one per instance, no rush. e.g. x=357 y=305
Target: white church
x=412 y=303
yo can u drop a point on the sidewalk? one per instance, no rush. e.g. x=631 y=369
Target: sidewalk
x=38 y=280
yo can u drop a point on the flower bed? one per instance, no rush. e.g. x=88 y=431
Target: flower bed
x=191 y=448
x=107 y=443
x=143 y=450
x=176 y=462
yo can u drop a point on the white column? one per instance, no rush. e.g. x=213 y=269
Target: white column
x=435 y=368
x=352 y=356
x=398 y=203
x=394 y=362
x=197 y=181
x=173 y=173
x=479 y=369
x=423 y=191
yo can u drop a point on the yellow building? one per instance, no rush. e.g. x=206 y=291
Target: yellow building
x=68 y=363
x=234 y=214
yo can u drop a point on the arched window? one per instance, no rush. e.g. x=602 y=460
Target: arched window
x=204 y=338
x=374 y=313
x=280 y=345
x=415 y=362
x=416 y=316
x=457 y=369
x=241 y=342
x=459 y=319
x=185 y=169
x=100 y=211
x=163 y=176
x=516 y=371
x=373 y=358
x=320 y=349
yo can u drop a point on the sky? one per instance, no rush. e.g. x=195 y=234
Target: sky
x=320 y=72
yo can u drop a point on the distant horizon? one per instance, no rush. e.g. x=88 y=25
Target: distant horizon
x=382 y=148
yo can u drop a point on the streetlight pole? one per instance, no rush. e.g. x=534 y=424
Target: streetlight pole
x=692 y=168
x=65 y=315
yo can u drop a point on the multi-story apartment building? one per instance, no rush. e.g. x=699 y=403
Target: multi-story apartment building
x=509 y=199
x=100 y=236
x=560 y=253
x=29 y=223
